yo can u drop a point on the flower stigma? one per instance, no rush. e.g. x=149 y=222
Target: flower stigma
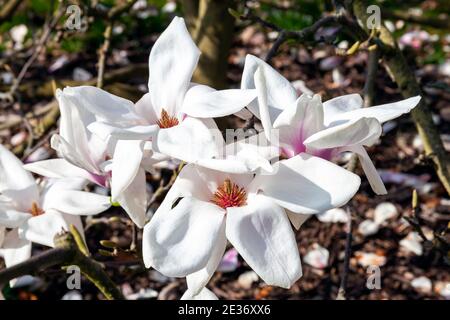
x=229 y=194
x=166 y=121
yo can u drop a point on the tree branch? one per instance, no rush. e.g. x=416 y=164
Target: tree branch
x=8 y=9
x=398 y=68
x=66 y=252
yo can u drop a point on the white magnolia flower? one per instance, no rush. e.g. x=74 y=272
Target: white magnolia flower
x=165 y=114
x=35 y=213
x=85 y=155
x=304 y=124
x=166 y=118
x=188 y=238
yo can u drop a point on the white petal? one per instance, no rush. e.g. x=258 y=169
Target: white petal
x=172 y=61
x=43 y=228
x=105 y=106
x=198 y=280
x=15 y=178
x=364 y=131
x=297 y=219
x=369 y=169
x=280 y=92
x=189 y=141
x=382 y=113
x=56 y=168
x=264 y=110
x=14 y=249
x=308 y=184
x=77 y=157
x=299 y=121
x=133 y=199
x=205 y=294
x=134 y=132
x=215 y=103
x=76 y=202
x=145 y=109
x=127 y=159
x=262 y=235
x=11 y=218
x=73 y=125
x=180 y=242
x=334 y=107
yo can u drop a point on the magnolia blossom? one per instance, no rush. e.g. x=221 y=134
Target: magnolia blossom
x=305 y=124
x=161 y=119
x=188 y=238
x=85 y=155
x=35 y=213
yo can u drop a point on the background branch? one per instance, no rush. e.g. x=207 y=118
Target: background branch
x=66 y=252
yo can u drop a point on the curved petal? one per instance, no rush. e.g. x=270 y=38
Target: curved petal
x=180 y=242
x=11 y=218
x=137 y=132
x=205 y=294
x=14 y=177
x=133 y=199
x=43 y=228
x=382 y=113
x=105 y=106
x=364 y=131
x=299 y=121
x=262 y=235
x=127 y=159
x=264 y=109
x=198 y=280
x=308 y=184
x=333 y=108
x=73 y=155
x=145 y=109
x=297 y=219
x=76 y=202
x=172 y=61
x=74 y=119
x=369 y=169
x=280 y=92
x=189 y=141
x=202 y=103
x=57 y=168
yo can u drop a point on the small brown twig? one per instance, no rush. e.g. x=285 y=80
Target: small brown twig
x=102 y=54
x=348 y=253
x=47 y=30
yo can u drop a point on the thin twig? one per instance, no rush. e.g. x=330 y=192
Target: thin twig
x=39 y=47
x=102 y=54
x=348 y=253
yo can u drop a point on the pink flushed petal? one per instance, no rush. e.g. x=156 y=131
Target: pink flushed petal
x=101 y=180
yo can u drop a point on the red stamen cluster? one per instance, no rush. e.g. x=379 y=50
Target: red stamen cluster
x=229 y=195
x=166 y=121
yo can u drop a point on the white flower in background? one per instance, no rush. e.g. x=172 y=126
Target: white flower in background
x=188 y=238
x=35 y=213
x=305 y=124
x=84 y=155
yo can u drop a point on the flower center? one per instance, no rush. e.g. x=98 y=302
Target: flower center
x=35 y=210
x=166 y=121
x=229 y=195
